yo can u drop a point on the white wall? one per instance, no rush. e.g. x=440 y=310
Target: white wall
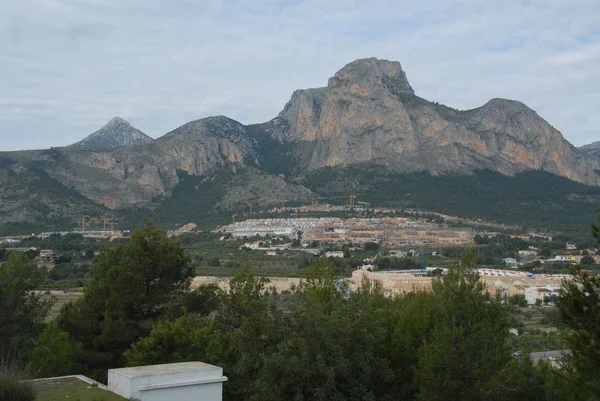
x=188 y=381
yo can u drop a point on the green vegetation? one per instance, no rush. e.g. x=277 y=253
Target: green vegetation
x=23 y=311
x=46 y=201
x=320 y=340
x=131 y=287
x=192 y=199
x=534 y=199
x=72 y=389
x=580 y=309
x=54 y=353
x=13 y=389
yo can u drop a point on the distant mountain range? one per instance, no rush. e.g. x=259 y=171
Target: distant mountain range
x=367 y=122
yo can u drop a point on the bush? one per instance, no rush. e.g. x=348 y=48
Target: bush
x=11 y=389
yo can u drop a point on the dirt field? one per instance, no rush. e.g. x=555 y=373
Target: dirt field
x=280 y=283
x=61 y=298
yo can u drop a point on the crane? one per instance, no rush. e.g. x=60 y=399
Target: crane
x=233 y=216
x=82 y=217
x=351 y=197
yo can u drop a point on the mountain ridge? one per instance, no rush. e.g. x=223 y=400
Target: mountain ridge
x=591 y=151
x=368 y=114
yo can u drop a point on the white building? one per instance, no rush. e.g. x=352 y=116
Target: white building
x=334 y=254
x=512 y=262
x=398 y=254
x=527 y=255
x=187 y=381
x=532 y=294
x=263 y=231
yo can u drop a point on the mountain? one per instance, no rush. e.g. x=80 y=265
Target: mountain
x=186 y=161
x=366 y=131
x=369 y=113
x=115 y=134
x=591 y=151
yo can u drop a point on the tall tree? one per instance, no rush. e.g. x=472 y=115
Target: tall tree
x=130 y=288
x=239 y=337
x=22 y=309
x=579 y=305
x=466 y=348
x=54 y=354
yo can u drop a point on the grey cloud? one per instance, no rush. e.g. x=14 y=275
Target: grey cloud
x=67 y=66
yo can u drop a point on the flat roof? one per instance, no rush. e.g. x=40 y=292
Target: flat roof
x=73 y=388
x=168 y=368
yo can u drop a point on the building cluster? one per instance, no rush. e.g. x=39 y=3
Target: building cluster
x=391 y=231
x=535 y=288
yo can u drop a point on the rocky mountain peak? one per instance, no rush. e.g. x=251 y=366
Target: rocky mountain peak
x=506 y=106
x=117 y=121
x=114 y=134
x=371 y=73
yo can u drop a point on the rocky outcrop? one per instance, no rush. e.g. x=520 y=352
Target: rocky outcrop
x=115 y=134
x=591 y=151
x=136 y=175
x=368 y=113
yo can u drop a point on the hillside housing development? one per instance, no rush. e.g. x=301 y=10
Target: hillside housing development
x=391 y=231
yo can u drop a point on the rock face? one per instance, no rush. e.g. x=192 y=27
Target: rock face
x=591 y=151
x=368 y=113
x=136 y=175
x=115 y=134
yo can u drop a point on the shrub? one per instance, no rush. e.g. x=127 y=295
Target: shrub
x=12 y=389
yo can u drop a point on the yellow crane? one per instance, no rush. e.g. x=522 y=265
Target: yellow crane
x=233 y=216
x=351 y=197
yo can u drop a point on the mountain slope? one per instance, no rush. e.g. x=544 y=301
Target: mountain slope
x=116 y=133
x=369 y=113
x=591 y=151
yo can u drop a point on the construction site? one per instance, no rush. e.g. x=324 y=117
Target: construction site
x=389 y=231
x=90 y=227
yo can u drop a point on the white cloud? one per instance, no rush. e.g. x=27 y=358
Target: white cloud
x=68 y=66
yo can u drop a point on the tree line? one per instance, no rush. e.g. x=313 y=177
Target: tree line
x=321 y=341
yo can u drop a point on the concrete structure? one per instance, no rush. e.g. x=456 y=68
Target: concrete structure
x=187 y=381
x=334 y=254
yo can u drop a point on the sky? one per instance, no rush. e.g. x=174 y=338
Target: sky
x=68 y=66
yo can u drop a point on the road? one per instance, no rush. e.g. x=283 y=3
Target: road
x=556 y=354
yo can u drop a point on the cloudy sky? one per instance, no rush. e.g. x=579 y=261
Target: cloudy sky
x=68 y=66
